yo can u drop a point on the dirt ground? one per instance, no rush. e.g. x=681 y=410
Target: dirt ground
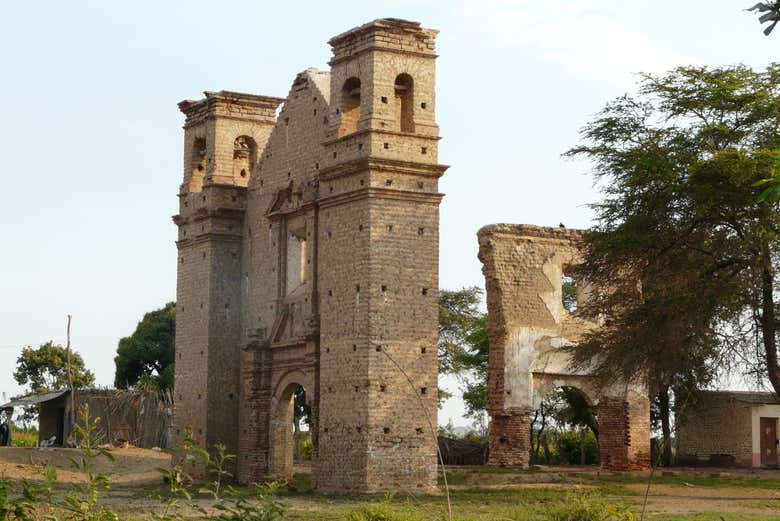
x=755 y=494
x=131 y=467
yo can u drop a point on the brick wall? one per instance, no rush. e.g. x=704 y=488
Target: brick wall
x=715 y=424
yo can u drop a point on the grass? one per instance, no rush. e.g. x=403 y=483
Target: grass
x=690 y=479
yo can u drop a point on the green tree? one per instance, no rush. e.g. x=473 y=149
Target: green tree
x=45 y=368
x=684 y=245
x=146 y=357
x=459 y=314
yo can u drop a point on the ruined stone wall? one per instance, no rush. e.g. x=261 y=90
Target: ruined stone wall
x=716 y=424
x=528 y=326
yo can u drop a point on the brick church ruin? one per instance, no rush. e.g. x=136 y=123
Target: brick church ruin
x=308 y=256
x=308 y=245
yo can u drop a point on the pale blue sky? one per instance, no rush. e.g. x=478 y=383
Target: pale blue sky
x=90 y=135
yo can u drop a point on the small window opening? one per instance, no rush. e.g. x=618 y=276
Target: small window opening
x=569 y=293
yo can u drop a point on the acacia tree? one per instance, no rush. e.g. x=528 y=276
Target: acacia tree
x=684 y=242
x=146 y=357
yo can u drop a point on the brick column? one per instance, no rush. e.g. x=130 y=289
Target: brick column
x=510 y=439
x=613 y=433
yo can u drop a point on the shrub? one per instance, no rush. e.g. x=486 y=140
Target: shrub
x=384 y=512
x=591 y=508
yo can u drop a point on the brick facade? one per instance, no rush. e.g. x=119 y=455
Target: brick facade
x=524 y=267
x=308 y=248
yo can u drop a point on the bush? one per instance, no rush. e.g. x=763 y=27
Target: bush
x=384 y=512
x=591 y=508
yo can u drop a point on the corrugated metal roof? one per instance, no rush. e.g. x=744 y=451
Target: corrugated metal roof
x=752 y=397
x=33 y=399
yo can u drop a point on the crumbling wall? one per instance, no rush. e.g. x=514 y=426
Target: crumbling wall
x=528 y=326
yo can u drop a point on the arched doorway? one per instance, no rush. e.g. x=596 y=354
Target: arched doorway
x=564 y=429
x=289 y=421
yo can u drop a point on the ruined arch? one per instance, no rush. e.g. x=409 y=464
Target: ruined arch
x=529 y=332
x=403 y=88
x=350 y=106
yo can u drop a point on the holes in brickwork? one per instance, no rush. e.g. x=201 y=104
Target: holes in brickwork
x=203 y=198
x=384 y=99
x=233 y=197
x=384 y=288
x=331 y=188
x=199 y=396
x=359 y=429
x=357 y=388
x=327 y=350
x=425 y=291
x=423 y=150
x=334 y=155
x=386 y=430
x=201 y=305
x=420 y=231
x=230 y=396
x=316 y=166
x=382 y=388
x=420 y=185
x=179 y=356
x=423 y=105
x=325 y=429
x=386 y=145
x=182 y=260
x=289 y=174
x=357 y=288
x=330 y=293
x=388 y=182
x=261 y=182
x=315 y=112
x=382 y=124
x=330 y=234
x=389 y=227
x=204 y=254
x=379 y=349
x=286 y=121
x=418 y=430
x=360 y=227
x=354 y=347
x=324 y=120
x=423 y=390
x=243 y=174
x=503 y=439
x=423 y=350
x=314 y=99
x=360 y=146
x=362 y=182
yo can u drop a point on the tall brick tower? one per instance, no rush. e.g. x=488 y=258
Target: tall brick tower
x=378 y=262
x=222 y=137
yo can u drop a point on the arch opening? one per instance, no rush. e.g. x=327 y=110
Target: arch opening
x=404 y=102
x=564 y=429
x=197 y=164
x=244 y=158
x=291 y=441
x=350 y=106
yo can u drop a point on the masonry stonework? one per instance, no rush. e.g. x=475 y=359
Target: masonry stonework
x=528 y=326
x=308 y=256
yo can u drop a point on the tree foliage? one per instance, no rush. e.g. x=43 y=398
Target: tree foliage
x=146 y=357
x=684 y=248
x=770 y=12
x=45 y=368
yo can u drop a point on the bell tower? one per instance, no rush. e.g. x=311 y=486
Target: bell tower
x=379 y=202
x=222 y=136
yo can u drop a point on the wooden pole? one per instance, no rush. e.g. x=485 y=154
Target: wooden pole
x=70 y=385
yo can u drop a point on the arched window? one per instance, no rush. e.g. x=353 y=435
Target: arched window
x=244 y=157
x=197 y=164
x=404 y=102
x=350 y=106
